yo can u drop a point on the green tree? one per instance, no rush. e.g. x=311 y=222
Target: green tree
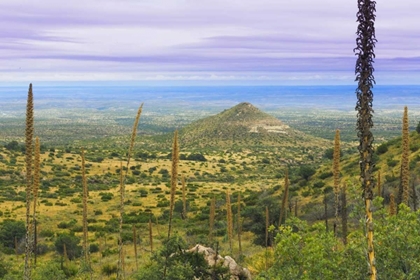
x=9 y=230
x=49 y=270
x=256 y=218
x=72 y=245
x=306 y=171
x=309 y=252
x=397 y=241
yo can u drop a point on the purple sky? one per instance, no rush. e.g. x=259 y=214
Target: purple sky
x=209 y=41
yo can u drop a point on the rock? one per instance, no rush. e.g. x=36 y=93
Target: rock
x=236 y=271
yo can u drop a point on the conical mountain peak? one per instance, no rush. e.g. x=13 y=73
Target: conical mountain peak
x=239 y=123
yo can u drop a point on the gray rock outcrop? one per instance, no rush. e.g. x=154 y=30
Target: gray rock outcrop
x=236 y=271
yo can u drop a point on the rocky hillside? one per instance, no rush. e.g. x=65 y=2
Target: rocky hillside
x=244 y=125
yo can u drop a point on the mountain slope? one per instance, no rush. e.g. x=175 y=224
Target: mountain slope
x=244 y=124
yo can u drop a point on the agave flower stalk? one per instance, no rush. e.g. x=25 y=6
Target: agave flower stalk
x=336 y=176
x=364 y=51
x=29 y=132
x=405 y=169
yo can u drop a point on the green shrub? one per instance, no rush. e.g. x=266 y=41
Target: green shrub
x=46 y=233
x=72 y=245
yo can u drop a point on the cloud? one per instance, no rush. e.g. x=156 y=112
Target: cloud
x=178 y=36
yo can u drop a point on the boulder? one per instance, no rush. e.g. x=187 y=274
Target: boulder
x=236 y=271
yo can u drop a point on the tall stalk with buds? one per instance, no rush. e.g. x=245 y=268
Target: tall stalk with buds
x=336 y=176
x=184 y=198
x=285 y=197
x=29 y=134
x=174 y=180
x=84 y=218
x=212 y=214
x=403 y=194
x=37 y=170
x=365 y=44
x=229 y=220
x=239 y=225
x=121 y=266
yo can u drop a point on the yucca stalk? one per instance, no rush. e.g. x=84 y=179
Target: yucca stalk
x=174 y=180
x=379 y=184
x=184 y=198
x=84 y=218
x=285 y=197
x=392 y=206
x=326 y=211
x=16 y=247
x=229 y=220
x=267 y=224
x=121 y=270
x=37 y=163
x=29 y=132
x=403 y=194
x=239 y=225
x=364 y=50
x=135 y=245
x=65 y=256
x=344 y=212
x=336 y=176
x=212 y=214
x=413 y=189
x=133 y=137
x=151 y=234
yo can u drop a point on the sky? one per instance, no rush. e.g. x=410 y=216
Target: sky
x=293 y=42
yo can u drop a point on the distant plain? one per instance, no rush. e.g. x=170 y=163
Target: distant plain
x=67 y=113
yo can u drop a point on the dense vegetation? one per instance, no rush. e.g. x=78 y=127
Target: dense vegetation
x=283 y=203
x=254 y=172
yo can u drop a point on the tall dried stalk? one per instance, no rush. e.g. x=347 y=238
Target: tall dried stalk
x=414 y=192
x=239 y=225
x=285 y=197
x=267 y=224
x=29 y=132
x=364 y=50
x=174 y=182
x=403 y=194
x=135 y=246
x=344 y=212
x=379 y=184
x=84 y=218
x=37 y=163
x=133 y=137
x=120 y=271
x=174 y=179
x=326 y=211
x=229 y=220
x=336 y=176
x=65 y=255
x=392 y=206
x=16 y=247
x=184 y=198
x=150 y=234
x=212 y=214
